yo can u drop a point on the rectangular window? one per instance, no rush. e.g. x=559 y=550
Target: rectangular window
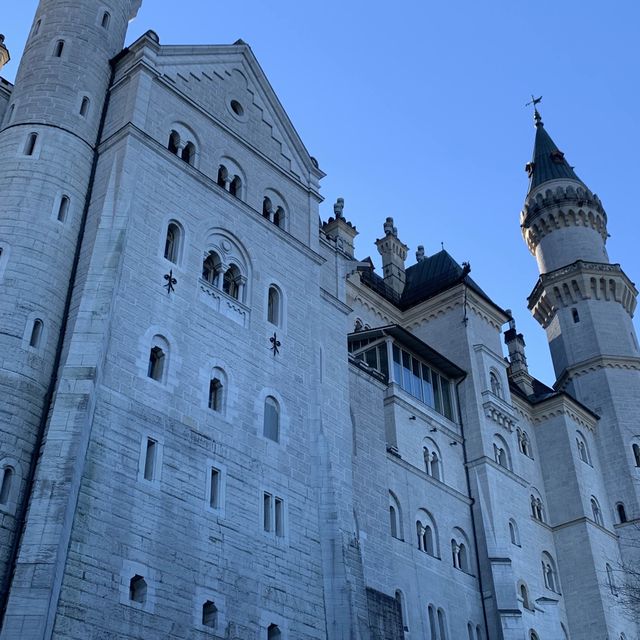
x=150 y=460
x=267 y=512
x=436 y=392
x=406 y=371
x=279 y=517
x=214 y=489
x=445 y=387
x=427 y=387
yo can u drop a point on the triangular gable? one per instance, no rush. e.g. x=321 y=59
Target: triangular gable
x=214 y=75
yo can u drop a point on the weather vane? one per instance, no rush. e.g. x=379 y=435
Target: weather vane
x=534 y=103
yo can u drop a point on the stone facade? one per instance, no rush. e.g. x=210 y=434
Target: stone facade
x=193 y=445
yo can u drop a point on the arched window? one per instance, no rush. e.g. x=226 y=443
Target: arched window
x=523 y=592
x=533 y=635
x=189 y=153
x=36 y=27
x=395 y=517
x=524 y=444
x=209 y=615
x=235 y=187
x=513 y=532
x=432 y=459
x=636 y=454
x=611 y=581
x=36 y=333
x=358 y=326
x=84 y=106
x=274 y=305
x=432 y=622
x=231 y=282
x=273 y=632
x=575 y=315
x=58 y=49
x=403 y=609
x=137 y=589
x=271 y=421
x=583 y=451
x=5 y=487
x=442 y=625
x=501 y=452
x=63 y=208
x=278 y=217
x=172 y=242
x=210 y=267
x=267 y=208
x=549 y=573
x=622 y=514
x=537 y=508
x=460 y=551
x=470 y=632
x=158 y=359
x=496 y=387
x=174 y=142
x=425 y=532
x=222 y=176
x=216 y=391
x=30 y=145
x=596 y=511
x=106 y=18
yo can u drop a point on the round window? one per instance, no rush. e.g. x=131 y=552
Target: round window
x=237 y=108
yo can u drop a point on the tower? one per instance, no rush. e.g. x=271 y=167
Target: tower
x=586 y=304
x=48 y=142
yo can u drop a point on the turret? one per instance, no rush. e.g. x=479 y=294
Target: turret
x=4 y=52
x=562 y=220
x=394 y=253
x=340 y=230
x=518 y=369
x=48 y=142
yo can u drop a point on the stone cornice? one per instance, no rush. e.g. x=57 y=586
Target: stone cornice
x=498 y=410
x=579 y=281
x=562 y=405
x=372 y=301
x=594 y=364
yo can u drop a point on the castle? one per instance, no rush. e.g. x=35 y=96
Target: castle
x=217 y=422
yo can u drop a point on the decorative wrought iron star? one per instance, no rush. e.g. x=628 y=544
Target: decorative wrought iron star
x=171 y=281
x=275 y=344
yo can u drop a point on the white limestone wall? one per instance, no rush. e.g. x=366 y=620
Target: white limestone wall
x=568 y=244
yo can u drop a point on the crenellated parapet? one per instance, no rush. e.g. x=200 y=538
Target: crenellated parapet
x=580 y=281
x=561 y=207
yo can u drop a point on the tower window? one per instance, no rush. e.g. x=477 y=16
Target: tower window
x=266 y=512
x=30 y=145
x=106 y=19
x=172 y=243
x=622 y=514
x=5 y=488
x=59 y=48
x=63 y=209
x=156 y=363
x=215 y=394
x=36 y=27
x=235 y=186
x=214 y=490
x=36 y=333
x=174 y=142
x=279 y=517
x=273 y=306
x=84 y=107
x=273 y=632
x=209 y=615
x=138 y=589
x=271 y=422
x=575 y=315
x=150 y=459
x=189 y=153
x=266 y=208
x=636 y=454
x=222 y=176
x=278 y=217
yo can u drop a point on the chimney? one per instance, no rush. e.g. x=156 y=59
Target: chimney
x=4 y=52
x=518 y=370
x=394 y=253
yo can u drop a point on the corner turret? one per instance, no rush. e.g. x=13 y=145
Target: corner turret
x=518 y=369
x=340 y=230
x=394 y=253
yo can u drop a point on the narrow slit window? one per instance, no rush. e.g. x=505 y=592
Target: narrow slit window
x=273 y=306
x=36 y=333
x=575 y=315
x=59 y=48
x=106 y=19
x=215 y=395
x=5 y=489
x=63 y=209
x=266 y=523
x=30 y=145
x=279 y=517
x=214 y=491
x=36 y=27
x=84 y=107
x=150 y=459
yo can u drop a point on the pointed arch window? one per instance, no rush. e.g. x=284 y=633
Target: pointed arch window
x=596 y=511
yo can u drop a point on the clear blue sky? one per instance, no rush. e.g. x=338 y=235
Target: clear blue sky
x=415 y=109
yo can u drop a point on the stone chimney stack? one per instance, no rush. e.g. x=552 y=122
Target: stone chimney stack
x=394 y=253
x=4 y=52
x=340 y=230
x=518 y=370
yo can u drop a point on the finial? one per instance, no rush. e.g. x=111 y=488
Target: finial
x=338 y=208
x=536 y=114
x=389 y=229
x=442 y=246
x=420 y=253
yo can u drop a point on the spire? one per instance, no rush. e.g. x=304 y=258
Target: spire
x=548 y=162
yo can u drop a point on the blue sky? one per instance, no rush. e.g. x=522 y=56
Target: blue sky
x=415 y=110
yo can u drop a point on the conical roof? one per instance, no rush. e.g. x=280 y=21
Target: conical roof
x=548 y=162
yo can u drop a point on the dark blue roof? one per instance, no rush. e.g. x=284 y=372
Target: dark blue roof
x=548 y=162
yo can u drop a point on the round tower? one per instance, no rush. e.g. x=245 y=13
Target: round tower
x=47 y=148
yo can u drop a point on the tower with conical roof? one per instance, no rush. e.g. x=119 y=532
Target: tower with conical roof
x=586 y=305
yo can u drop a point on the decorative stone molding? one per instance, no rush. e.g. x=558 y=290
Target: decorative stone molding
x=563 y=405
x=564 y=206
x=595 y=364
x=499 y=411
x=579 y=281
